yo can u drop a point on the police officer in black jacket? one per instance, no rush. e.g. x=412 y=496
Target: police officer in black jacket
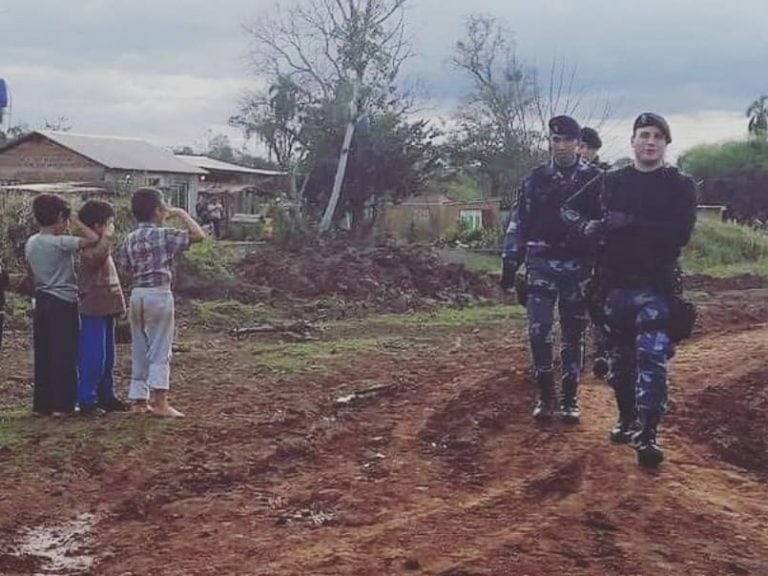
x=642 y=215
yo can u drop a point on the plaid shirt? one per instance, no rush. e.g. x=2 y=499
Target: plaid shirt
x=148 y=253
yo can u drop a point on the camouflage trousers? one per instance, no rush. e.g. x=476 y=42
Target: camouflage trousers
x=561 y=283
x=638 y=347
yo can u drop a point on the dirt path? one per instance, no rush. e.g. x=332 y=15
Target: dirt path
x=436 y=470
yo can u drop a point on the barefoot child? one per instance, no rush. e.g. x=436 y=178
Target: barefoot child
x=56 y=323
x=101 y=302
x=147 y=253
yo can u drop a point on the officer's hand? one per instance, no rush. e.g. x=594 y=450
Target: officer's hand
x=593 y=228
x=615 y=220
x=508 y=271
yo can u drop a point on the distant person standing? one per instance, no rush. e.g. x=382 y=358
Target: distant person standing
x=201 y=211
x=215 y=210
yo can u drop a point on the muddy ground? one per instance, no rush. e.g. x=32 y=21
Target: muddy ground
x=397 y=447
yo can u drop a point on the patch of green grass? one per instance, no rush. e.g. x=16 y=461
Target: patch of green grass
x=288 y=358
x=452 y=317
x=18 y=310
x=726 y=249
x=230 y=313
x=69 y=442
x=481 y=262
x=205 y=265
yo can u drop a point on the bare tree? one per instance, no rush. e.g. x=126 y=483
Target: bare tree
x=325 y=46
x=502 y=124
x=497 y=122
x=339 y=56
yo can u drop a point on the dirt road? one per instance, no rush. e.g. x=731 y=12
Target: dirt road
x=418 y=457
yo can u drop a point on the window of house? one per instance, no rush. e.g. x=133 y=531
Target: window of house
x=177 y=194
x=472 y=219
x=247 y=202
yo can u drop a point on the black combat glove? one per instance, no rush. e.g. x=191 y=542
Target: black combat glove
x=615 y=220
x=508 y=270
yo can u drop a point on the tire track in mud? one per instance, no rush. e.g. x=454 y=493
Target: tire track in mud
x=551 y=489
x=485 y=415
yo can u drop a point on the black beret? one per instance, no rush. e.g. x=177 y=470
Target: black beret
x=564 y=126
x=651 y=119
x=591 y=138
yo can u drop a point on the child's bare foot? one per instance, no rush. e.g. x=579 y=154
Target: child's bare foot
x=168 y=411
x=161 y=406
x=140 y=407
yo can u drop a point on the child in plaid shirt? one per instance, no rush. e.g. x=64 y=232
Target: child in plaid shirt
x=148 y=254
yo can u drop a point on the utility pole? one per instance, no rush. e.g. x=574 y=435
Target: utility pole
x=330 y=210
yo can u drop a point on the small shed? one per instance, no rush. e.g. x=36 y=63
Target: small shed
x=431 y=216
x=244 y=192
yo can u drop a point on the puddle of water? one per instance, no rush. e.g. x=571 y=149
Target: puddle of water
x=64 y=549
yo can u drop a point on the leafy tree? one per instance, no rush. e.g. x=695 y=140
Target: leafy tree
x=275 y=118
x=733 y=174
x=58 y=124
x=758 y=118
x=12 y=133
x=391 y=158
x=332 y=69
x=495 y=130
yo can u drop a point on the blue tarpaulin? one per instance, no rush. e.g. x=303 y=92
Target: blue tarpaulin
x=3 y=94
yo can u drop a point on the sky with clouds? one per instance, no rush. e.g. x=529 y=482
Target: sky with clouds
x=172 y=70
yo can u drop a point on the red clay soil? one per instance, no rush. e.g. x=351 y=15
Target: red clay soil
x=383 y=278
x=437 y=470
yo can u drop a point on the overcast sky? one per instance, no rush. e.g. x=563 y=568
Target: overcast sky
x=171 y=70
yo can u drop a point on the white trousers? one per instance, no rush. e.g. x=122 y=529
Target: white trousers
x=152 y=326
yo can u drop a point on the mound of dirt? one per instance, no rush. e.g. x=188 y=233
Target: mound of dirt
x=730 y=418
x=381 y=278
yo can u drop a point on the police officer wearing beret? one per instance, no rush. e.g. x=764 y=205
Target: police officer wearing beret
x=588 y=150
x=589 y=147
x=558 y=264
x=642 y=216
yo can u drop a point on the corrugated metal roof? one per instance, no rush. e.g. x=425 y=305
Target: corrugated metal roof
x=122 y=153
x=209 y=163
x=79 y=188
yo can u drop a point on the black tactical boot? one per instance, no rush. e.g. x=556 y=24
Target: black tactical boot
x=627 y=425
x=649 y=454
x=545 y=403
x=623 y=431
x=570 y=411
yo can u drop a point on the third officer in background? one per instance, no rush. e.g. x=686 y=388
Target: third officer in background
x=590 y=146
x=646 y=216
x=588 y=150
x=558 y=264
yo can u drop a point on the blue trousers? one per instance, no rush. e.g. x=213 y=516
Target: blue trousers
x=97 y=360
x=561 y=283
x=638 y=347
